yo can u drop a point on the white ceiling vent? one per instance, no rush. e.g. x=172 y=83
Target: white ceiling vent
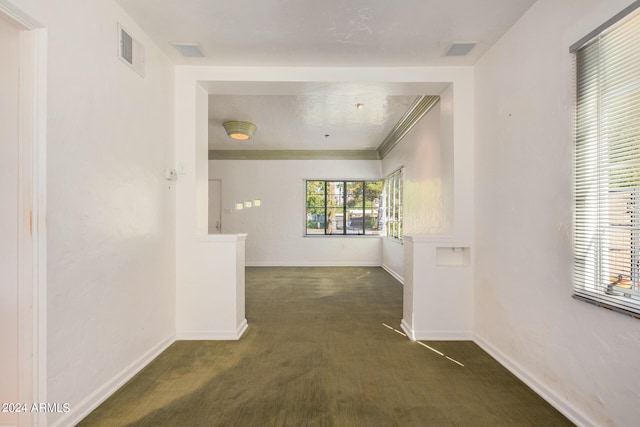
x=130 y=50
x=188 y=50
x=460 y=48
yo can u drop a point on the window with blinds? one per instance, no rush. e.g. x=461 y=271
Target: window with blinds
x=607 y=164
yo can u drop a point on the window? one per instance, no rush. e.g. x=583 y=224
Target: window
x=607 y=166
x=392 y=205
x=343 y=207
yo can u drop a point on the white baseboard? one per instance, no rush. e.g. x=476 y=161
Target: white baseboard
x=242 y=328
x=407 y=330
x=415 y=335
x=213 y=335
x=575 y=415
x=92 y=401
x=388 y=269
x=311 y=264
x=395 y=275
x=443 y=336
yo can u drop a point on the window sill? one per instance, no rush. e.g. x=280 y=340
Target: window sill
x=393 y=239
x=365 y=236
x=607 y=306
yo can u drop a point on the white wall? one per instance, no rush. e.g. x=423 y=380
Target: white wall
x=209 y=268
x=427 y=158
x=110 y=272
x=579 y=356
x=426 y=153
x=393 y=258
x=438 y=188
x=276 y=228
x=9 y=102
x=211 y=304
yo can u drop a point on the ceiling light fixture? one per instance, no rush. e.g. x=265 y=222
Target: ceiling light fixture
x=359 y=106
x=239 y=130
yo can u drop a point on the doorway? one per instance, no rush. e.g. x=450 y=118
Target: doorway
x=22 y=213
x=9 y=212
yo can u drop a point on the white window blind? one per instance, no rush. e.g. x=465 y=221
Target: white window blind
x=607 y=166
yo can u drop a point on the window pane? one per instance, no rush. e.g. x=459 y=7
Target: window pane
x=392 y=205
x=335 y=194
x=335 y=221
x=355 y=193
x=621 y=240
x=607 y=169
x=315 y=207
x=335 y=207
x=372 y=194
x=343 y=207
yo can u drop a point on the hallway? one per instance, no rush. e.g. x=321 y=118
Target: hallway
x=318 y=353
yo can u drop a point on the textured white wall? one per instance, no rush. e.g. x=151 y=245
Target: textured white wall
x=209 y=304
x=393 y=257
x=9 y=98
x=276 y=229
x=577 y=354
x=426 y=153
x=110 y=272
x=458 y=103
x=428 y=175
x=438 y=300
x=190 y=194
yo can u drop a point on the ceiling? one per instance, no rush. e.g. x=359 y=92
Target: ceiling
x=328 y=33
x=321 y=121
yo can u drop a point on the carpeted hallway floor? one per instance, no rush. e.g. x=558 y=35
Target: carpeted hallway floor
x=318 y=353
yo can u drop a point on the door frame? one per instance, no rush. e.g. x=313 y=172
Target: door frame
x=219 y=203
x=32 y=202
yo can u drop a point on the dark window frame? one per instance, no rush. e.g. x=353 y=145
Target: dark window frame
x=341 y=211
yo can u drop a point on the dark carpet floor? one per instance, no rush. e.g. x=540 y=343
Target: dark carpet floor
x=318 y=353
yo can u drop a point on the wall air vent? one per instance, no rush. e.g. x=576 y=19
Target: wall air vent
x=130 y=50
